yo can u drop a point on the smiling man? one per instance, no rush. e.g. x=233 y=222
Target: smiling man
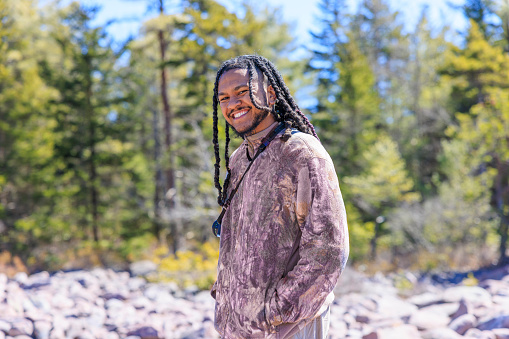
x=283 y=231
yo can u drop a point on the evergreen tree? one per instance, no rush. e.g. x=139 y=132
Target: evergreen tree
x=382 y=186
x=473 y=70
x=482 y=13
x=26 y=141
x=481 y=75
x=426 y=117
x=92 y=148
x=379 y=34
x=347 y=114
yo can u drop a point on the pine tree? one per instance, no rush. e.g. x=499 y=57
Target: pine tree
x=92 y=147
x=383 y=185
x=379 y=34
x=426 y=117
x=26 y=141
x=481 y=76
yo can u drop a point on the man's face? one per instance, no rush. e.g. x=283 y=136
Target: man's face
x=236 y=105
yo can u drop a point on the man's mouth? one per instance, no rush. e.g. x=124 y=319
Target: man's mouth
x=240 y=113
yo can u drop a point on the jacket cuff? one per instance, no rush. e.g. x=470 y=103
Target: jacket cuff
x=272 y=311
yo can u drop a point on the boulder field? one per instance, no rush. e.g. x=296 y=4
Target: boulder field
x=102 y=303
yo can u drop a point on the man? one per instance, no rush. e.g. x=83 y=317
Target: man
x=283 y=233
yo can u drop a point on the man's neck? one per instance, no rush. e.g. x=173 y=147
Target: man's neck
x=254 y=140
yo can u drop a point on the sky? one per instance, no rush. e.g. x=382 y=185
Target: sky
x=302 y=13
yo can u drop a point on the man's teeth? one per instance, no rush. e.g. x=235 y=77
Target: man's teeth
x=241 y=113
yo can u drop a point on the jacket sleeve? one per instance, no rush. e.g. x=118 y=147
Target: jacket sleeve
x=323 y=248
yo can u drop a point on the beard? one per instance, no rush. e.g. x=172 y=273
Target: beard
x=254 y=123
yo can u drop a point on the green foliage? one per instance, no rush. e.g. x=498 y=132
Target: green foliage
x=385 y=182
x=382 y=186
x=474 y=70
x=359 y=231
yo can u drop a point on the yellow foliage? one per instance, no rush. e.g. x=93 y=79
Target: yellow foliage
x=10 y=265
x=470 y=280
x=187 y=267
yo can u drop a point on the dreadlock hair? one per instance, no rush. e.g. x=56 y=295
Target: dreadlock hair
x=285 y=109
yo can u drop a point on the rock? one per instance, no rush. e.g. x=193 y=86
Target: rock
x=494 y=286
x=393 y=307
x=37 y=280
x=399 y=332
x=61 y=301
x=463 y=308
x=354 y=333
x=96 y=318
x=20 y=277
x=41 y=302
x=106 y=304
x=384 y=323
x=440 y=333
x=425 y=299
x=489 y=323
x=3 y=280
x=463 y=323
x=136 y=283
x=337 y=327
x=191 y=290
x=204 y=298
x=145 y=332
x=426 y=320
x=363 y=318
x=85 y=335
x=478 y=334
x=501 y=301
x=501 y=333
x=57 y=333
x=447 y=309
x=141 y=302
x=109 y=295
x=114 y=304
x=371 y=335
x=5 y=326
x=21 y=326
x=143 y=267
x=60 y=323
x=42 y=329
x=475 y=295
x=28 y=305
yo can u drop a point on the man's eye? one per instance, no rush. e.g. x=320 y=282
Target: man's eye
x=243 y=91
x=223 y=99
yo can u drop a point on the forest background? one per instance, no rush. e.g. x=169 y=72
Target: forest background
x=105 y=146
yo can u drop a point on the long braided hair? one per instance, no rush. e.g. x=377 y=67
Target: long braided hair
x=284 y=110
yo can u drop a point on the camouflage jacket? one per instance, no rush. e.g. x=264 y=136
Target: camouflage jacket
x=284 y=239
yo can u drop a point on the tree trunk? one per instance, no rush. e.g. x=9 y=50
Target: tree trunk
x=374 y=240
x=176 y=224
x=92 y=166
x=159 y=183
x=503 y=229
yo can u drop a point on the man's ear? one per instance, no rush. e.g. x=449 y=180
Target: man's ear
x=271 y=95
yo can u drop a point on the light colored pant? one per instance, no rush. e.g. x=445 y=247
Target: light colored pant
x=317 y=328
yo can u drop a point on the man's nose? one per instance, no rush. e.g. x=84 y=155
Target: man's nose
x=234 y=102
